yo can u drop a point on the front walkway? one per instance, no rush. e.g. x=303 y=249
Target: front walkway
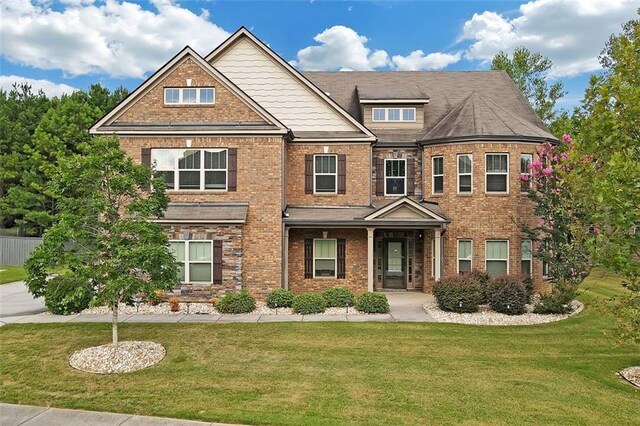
x=405 y=306
x=29 y=415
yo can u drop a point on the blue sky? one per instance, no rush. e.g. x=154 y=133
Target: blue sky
x=73 y=43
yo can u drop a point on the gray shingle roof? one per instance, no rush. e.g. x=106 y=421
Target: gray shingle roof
x=446 y=90
x=205 y=213
x=408 y=91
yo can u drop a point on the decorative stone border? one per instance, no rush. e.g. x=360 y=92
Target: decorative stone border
x=631 y=375
x=488 y=317
x=129 y=356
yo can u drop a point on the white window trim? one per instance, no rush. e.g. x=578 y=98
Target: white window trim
x=386 y=115
x=395 y=177
x=530 y=259
x=434 y=175
x=464 y=174
x=181 y=96
x=528 y=172
x=186 y=262
x=335 y=259
x=486 y=173
x=458 y=254
x=176 y=170
x=486 y=259
x=315 y=191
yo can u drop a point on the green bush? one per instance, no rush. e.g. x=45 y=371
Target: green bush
x=459 y=293
x=237 y=303
x=65 y=295
x=307 y=304
x=280 y=298
x=483 y=279
x=508 y=295
x=338 y=297
x=372 y=303
x=556 y=302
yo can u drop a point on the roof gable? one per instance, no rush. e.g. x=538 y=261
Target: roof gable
x=132 y=111
x=405 y=209
x=284 y=91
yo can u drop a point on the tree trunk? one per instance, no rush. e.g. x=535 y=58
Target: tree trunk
x=114 y=326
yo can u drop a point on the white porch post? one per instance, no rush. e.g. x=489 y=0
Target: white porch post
x=370 y=258
x=285 y=271
x=438 y=247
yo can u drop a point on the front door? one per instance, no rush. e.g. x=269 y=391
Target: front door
x=394 y=264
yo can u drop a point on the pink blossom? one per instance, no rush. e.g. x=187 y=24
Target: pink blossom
x=567 y=138
x=524 y=177
x=547 y=171
x=573 y=272
x=596 y=230
x=555 y=158
x=564 y=155
x=540 y=223
x=529 y=166
x=537 y=164
x=552 y=222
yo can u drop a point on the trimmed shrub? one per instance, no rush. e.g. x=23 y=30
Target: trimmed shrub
x=458 y=293
x=372 y=303
x=338 y=297
x=237 y=303
x=508 y=295
x=556 y=302
x=280 y=298
x=66 y=295
x=309 y=303
x=483 y=279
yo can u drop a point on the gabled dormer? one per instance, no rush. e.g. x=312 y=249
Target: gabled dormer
x=393 y=107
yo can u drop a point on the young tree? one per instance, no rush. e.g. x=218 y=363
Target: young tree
x=607 y=165
x=101 y=234
x=529 y=72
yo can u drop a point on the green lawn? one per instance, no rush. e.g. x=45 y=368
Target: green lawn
x=9 y=274
x=340 y=373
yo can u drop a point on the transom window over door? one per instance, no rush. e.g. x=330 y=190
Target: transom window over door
x=325 y=174
x=395 y=175
x=196 y=260
x=191 y=169
x=497 y=173
x=324 y=258
x=438 y=175
x=465 y=249
x=465 y=177
x=497 y=257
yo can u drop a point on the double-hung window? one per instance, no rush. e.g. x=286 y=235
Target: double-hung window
x=325 y=174
x=437 y=183
x=525 y=172
x=191 y=169
x=465 y=250
x=497 y=173
x=526 y=255
x=497 y=257
x=395 y=176
x=324 y=258
x=465 y=170
x=189 y=95
x=195 y=259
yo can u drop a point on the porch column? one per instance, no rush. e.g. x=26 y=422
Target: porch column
x=438 y=254
x=370 y=243
x=285 y=269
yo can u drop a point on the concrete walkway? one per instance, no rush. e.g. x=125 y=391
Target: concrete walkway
x=29 y=415
x=405 y=306
x=15 y=300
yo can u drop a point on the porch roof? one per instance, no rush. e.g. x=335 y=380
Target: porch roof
x=223 y=213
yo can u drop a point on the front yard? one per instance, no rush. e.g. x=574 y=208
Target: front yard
x=9 y=274
x=337 y=373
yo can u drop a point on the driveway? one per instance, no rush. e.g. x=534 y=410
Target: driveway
x=16 y=301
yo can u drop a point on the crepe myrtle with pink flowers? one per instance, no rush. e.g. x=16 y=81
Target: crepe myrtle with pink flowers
x=560 y=231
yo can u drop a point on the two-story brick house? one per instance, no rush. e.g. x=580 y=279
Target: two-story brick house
x=362 y=180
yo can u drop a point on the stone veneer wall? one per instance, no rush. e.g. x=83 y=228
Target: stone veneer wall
x=358 y=168
x=231 y=237
x=398 y=153
x=356 y=261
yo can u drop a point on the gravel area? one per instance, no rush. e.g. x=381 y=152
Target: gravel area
x=486 y=316
x=130 y=356
x=632 y=374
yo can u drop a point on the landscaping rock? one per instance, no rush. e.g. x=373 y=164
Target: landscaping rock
x=632 y=375
x=129 y=356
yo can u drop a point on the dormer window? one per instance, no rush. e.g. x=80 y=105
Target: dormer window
x=189 y=96
x=394 y=115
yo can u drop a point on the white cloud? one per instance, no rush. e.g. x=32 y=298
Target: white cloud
x=116 y=38
x=569 y=32
x=48 y=87
x=418 y=61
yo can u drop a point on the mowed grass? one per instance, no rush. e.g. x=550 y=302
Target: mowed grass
x=9 y=274
x=341 y=373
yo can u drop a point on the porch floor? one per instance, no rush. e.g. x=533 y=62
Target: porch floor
x=407 y=305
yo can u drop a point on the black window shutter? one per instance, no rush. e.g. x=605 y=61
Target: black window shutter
x=379 y=177
x=342 y=173
x=308 y=174
x=232 y=164
x=308 y=258
x=411 y=176
x=341 y=271
x=145 y=157
x=217 y=262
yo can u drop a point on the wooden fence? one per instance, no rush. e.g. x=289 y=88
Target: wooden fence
x=15 y=250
